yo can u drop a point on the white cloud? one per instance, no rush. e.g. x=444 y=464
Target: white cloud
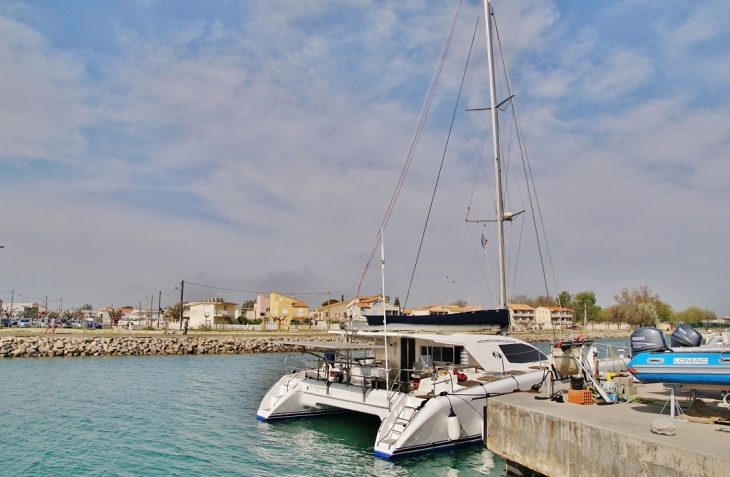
x=261 y=152
x=41 y=101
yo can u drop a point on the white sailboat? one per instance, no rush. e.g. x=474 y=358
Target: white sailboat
x=429 y=390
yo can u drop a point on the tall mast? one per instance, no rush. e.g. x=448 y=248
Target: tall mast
x=385 y=314
x=497 y=158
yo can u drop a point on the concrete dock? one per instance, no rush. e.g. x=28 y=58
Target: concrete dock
x=566 y=439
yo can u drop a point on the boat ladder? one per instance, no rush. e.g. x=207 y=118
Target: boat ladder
x=405 y=416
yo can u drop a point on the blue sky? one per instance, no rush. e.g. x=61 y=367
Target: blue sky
x=255 y=146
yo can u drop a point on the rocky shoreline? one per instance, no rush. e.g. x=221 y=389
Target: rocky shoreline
x=50 y=346
x=39 y=347
x=57 y=346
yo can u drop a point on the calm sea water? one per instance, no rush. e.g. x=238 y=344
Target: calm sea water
x=185 y=415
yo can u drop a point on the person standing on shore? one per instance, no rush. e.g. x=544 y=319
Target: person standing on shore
x=53 y=326
x=185 y=331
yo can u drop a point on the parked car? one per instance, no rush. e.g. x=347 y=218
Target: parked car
x=64 y=324
x=4 y=322
x=93 y=325
x=24 y=323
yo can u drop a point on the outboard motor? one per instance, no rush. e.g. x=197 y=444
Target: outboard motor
x=686 y=337
x=647 y=339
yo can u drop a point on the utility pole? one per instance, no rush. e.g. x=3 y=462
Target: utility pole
x=329 y=305
x=182 y=291
x=12 y=299
x=152 y=304
x=159 y=309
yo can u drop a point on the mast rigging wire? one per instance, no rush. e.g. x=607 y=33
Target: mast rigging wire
x=414 y=141
x=441 y=166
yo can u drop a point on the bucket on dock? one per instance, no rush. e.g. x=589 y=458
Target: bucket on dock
x=577 y=383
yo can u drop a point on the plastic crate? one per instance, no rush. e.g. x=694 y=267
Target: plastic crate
x=580 y=397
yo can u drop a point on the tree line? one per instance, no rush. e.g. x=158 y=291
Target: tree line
x=637 y=307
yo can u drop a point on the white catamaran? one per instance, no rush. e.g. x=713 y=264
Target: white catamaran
x=429 y=390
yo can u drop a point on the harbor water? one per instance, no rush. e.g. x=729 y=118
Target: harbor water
x=186 y=415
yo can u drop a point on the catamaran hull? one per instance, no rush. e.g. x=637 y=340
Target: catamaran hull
x=299 y=397
x=415 y=427
x=427 y=428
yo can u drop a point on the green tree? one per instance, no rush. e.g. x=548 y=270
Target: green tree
x=72 y=314
x=710 y=315
x=396 y=302
x=329 y=302
x=248 y=304
x=694 y=315
x=639 y=307
x=523 y=300
x=173 y=312
x=460 y=303
x=565 y=299
x=114 y=316
x=86 y=307
x=691 y=315
x=609 y=315
x=543 y=300
x=585 y=303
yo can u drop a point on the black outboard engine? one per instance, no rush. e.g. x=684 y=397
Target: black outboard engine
x=686 y=337
x=647 y=339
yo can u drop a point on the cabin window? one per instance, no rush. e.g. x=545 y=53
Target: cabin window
x=445 y=354
x=521 y=353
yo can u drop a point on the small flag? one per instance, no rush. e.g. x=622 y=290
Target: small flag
x=484 y=241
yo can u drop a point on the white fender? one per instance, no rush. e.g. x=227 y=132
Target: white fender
x=453 y=427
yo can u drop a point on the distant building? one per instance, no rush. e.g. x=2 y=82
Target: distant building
x=522 y=316
x=442 y=310
x=103 y=316
x=284 y=309
x=549 y=316
x=210 y=313
x=247 y=313
x=261 y=307
x=331 y=313
x=23 y=309
x=360 y=307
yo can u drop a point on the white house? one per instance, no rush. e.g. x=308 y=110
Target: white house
x=549 y=316
x=212 y=313
x=523 y=316
x=362 y=306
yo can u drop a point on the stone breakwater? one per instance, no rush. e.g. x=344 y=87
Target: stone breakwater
x=47 y=346
x=37 y=347
x=589 y=335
